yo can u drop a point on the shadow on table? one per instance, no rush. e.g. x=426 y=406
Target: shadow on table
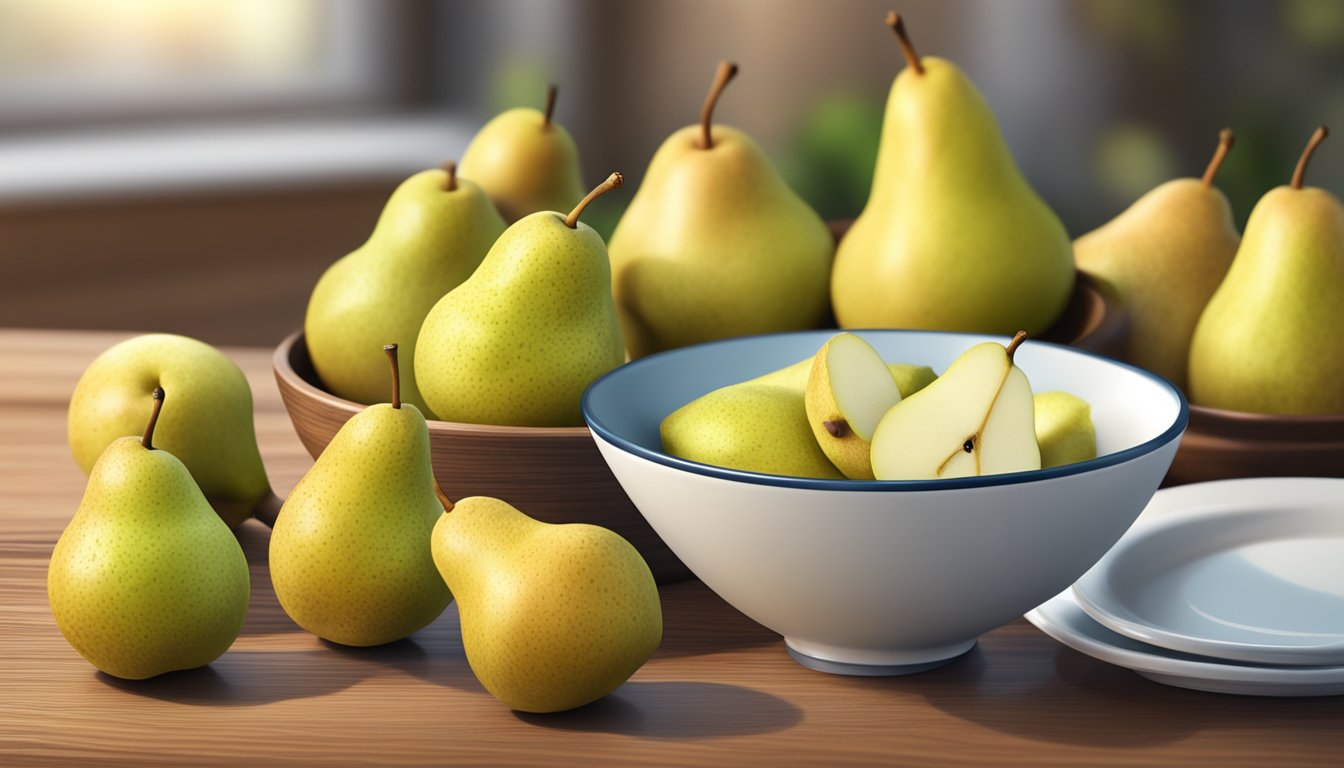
x=264 y=614
x=1021 y=682
x=246 y=679
x=676 y=711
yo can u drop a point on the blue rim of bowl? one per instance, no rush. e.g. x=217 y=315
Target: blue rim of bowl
x=788 y=481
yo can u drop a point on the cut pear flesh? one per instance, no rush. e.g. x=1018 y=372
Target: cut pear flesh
x=861 y=384
x=976 y=419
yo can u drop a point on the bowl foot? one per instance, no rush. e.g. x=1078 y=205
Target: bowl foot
x=896 y=663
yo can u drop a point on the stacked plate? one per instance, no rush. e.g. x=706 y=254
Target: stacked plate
x=1235 y=586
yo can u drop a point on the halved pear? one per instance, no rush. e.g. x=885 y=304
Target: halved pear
x=848 y=391
x=1064 y=429
x=978 y=418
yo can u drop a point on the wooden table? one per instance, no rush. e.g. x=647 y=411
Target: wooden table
x=721 y=690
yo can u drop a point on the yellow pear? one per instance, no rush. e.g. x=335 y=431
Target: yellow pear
x=553 y=616
x=1163 y=258
x=849 y=390
x=1064 y=429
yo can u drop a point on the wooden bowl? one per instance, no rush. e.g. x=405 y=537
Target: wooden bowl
x=1089 y=321
x=554 y=474
x=1222 y=444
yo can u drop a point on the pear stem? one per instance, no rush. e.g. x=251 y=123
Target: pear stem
x=1018 y=338
x=727 y=70
x=450 y=183
x=897 y=25
x=391 y=350
x=443 y=497
x=551 y=92
x=614 y=181
x=1225 y=141
x=148 y=439
x=1315 y=141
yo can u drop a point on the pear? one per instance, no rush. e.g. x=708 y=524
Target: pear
x=349 y=556
x=849 y=390
x=209 y=428
x=553 y=616
x=1269 y=339
x=761 y=425
x=1163 y=258
x=758 y=425
x=953 y=237
x=430 y=237
x=716 y=244
x=525 y=162
x=146 y=578
x=1064 y=429
x=975 y=419
x=520 y=340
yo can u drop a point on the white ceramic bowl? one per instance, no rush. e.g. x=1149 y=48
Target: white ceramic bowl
x=886 y=577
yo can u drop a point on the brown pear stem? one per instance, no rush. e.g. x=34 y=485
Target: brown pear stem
x=551 y=92
x=148 y=439
x=614 y=181
x=1315 y=141
x=443 y=497
x=391 y=350
x=727 y=70
x=897 y=25
x=1225 y=141
x=836 y=427
x=450 y=184
x=1018 y=338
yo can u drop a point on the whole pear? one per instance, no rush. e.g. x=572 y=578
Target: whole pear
x=716 y=244
x=350 y=557
x=146 y=578
x=953 y=237
x=1064 y=429
x=209 y=428
x=1269 y=339
x=432 y=234
x=525 y=162
x=1163 y=258
x=521 y=339
x=553 y=616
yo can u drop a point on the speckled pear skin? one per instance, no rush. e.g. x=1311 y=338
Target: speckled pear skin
x=427 y=241
x=146 y=578
x=349 y=555
x=553 y=616
x=208 y=428
x=524 y=165
x=520 y=340
x=716 y=244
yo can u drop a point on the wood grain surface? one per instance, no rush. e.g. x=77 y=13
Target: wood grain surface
x=721 y=690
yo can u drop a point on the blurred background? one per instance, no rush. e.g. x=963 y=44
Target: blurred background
x=193 y=165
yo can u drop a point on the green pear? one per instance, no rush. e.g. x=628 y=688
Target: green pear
x=716 y=244
x=1163 y=258
x=849 y=390
x=976 y=419
x=432 y=234
x=1269 y=339
x=953 y=237
x=553 y=616
x=520 y=340
x=349 y=558
x=525 y=162
x=761 y=425
x=1064 y=429
x=209 y=428
x=146 y=578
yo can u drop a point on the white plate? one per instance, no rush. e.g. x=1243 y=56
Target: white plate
x=1249 y=570
x=1063 y=619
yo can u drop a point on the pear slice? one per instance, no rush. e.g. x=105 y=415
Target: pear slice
x=1064 y=429
x=848 y=391
x=978 y=418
